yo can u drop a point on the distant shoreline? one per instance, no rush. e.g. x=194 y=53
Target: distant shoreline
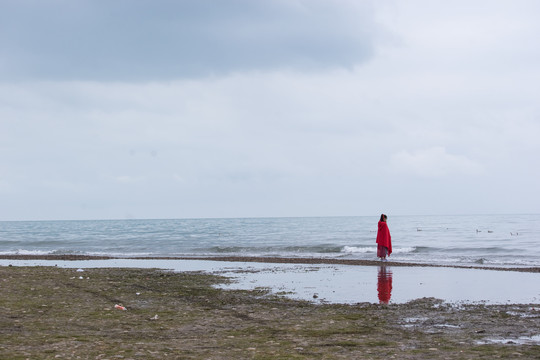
x=262 y=259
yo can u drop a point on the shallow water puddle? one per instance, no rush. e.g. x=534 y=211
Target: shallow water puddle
x=346 y=283
x=384 y=284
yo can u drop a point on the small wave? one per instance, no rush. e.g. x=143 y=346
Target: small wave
x=423 y=249
x=359 y=249
x=480 y=261
x=373 y=249
x=404 y=250
x=28 y=252
x=55 y=252
x=271 y=249
x=225 y=249
x=124 y=254
x=482 y=250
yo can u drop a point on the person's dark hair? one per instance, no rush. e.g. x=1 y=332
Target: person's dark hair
x=383 y=217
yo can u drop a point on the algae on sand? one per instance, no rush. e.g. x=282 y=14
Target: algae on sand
x=49 y=312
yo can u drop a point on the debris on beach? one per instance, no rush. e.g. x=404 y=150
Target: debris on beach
x=276 y=327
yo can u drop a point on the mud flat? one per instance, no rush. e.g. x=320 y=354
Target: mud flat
x=68 y=313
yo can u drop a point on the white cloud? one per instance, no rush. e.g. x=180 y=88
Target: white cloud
x=433 y=162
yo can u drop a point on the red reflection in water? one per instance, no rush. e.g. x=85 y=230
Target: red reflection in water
x=384 y=285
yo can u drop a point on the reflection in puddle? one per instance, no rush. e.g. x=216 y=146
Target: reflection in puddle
x=349 y=284
x=384 y=284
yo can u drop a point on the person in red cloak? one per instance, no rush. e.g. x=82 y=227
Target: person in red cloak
x=384 y=240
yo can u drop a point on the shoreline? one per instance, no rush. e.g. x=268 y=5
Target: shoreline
x=264 y=259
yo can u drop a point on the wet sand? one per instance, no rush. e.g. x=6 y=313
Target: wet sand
x=55 y=313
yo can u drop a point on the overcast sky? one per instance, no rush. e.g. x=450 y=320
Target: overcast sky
x=242 y=108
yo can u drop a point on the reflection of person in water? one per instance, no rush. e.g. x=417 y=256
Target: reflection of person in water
x=384 y=285
x=384 y=240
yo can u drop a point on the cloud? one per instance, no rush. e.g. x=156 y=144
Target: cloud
x=433 y=162
x=146 y=40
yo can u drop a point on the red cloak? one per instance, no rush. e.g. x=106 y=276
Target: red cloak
x=383 y=236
